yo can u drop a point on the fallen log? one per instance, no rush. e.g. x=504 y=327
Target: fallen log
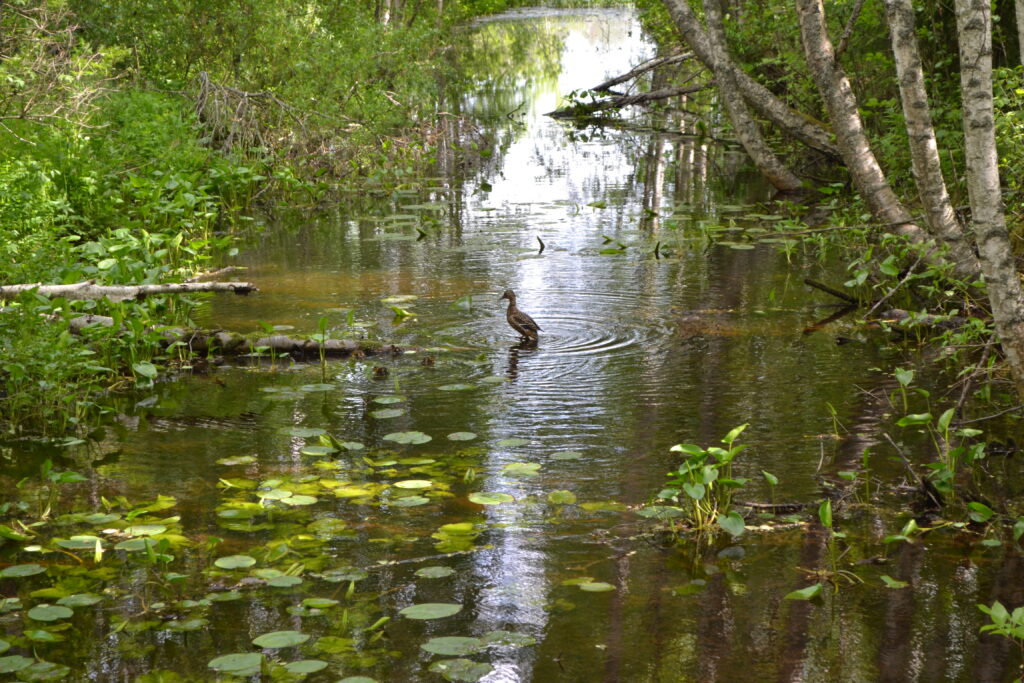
x=219 y=342
x=586 y=108
x=90 y=290
x=642 y=68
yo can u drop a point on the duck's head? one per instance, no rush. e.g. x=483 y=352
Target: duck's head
x=509 y=294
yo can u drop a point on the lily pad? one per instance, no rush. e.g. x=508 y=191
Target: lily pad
x=596 y=587
x=431 y=610
x=407 y=437
x=508 y=639
x=238 y=664
x=387 y=413
x=235 y=562
x=562 y=497
x=494 y=379
x=319 y=603
x=459 y=386
x=305 y=666
x=661 y=512
x=302 y=432
x=44 y=671
x=490 y=498
x=521 y=469
x=279 y=639
x=145 y=529
x=21 y=570
x=313 y=388
x=453 y=645
x=461 y=669
x=237 y=460
x=566 y=455
x=344 y=574
x=46 y=612
x=79 y=600
x=4 y=646
x=434 y=572
x=388 y=400
x=80 y=542
x=512 y=442
x=318 y=450
x=414 y=484
x=285 y=581
x=808 y=593
x=299 y=500
x=461 y=436
x=409 y=501
x=13 y=663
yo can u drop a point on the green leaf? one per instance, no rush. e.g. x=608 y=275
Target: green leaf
x=893 y=583
x=407 y=437
x=520 y=469
x=661 y=512
x=562 y=497
x=513 y=442
x=825 y=513
x=305 y=666
x=279 y=639
x=79 y=600
x=434 y=572
x=945 y=419
x=904 y=377
x=238 y=664
x=490 y=498
x=387 y=413
x=732 y=523
x=14 y=663
x=694 y=491
x=916 y=419
x=431 y=610
x=461 y=436
x=388 y=400
x=21 y=570
x=146 y=369
x=596 y=587
x=46 y=612
x=318 y=451
x=414 y=484
x=285 y=581
x=805 y=593
x=566 y=455
x=453 y=645
x=235 y=562
x=979 y=512
x=461 y=669
x=770 y=478
x=456 y=387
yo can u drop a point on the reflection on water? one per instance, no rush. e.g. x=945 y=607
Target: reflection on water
x=637 y=353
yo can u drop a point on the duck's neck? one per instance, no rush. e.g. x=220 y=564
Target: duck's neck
x=511 y=302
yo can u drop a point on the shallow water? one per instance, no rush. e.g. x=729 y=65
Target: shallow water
x=637 y=353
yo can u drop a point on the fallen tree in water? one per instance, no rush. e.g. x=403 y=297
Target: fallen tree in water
x=90 y=290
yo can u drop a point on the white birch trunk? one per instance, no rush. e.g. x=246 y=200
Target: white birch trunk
x=974 y=27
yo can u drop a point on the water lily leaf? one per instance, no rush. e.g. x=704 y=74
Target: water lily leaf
x=237 y=460
x=461 y=669
x=352 y=445
x=313 y=388
x=238 y=664
x=44 y=671
x=4 y=646
x=80 y=542
x=409 y=501
x=453 y=645
x=319 y=603
x=512 y=442
x=490 y=498
x=344 y=574
x=318 y=450
x=21 y=570
x=302 y=432
x=284 y=581
x=494 y=379
x=235 y=562
x=79 y=600
x=566 y=455
x=520 y=469
x=732 y=523
x=431 y=610
x=98 y=518
x=387 y=413
x=414 y=484
x=456 y=387
x=185 y=625
x=145 y=529
x=508 y=639
x=596 y=587
x=400 y=298
x=434 y=572
x=40 y=635
x=661 y=512
x=14 y=663
x=279 y=639
x=305 y=666
x=893 y=583
x=461 y=436
x=299 y=500
x=353 y=492
x=562 y=497
x=275 y=494
x=416 y=461
x=387 y=400
x=46 y=612
x=407 y=437
x=805 y=593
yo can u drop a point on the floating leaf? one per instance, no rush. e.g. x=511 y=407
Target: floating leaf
x=79 y=600
x=562 y=497
x=596 y=587
x=431 y=610
x=318 y=450
x=461 y=669
x=299 y=500
x=13 y=663
x=4 y=646
x=732 y=523
x=494 y=379
x=353 y=492
x=893 y=583
x=237 y=460
x=409 y=501
x=80 y=542
x=46 y=612
x=305 y=666
x=387 y=400
x=661 y=512
x=399 y=298
x=979 y=512
x=21 y=570
x=352 y=445
x=387 y=413
x=235 y=562
x=434 y=572
x=455 y=387
x=284 y=581
x=319 y=603
x=279 y=639
x=453 y=645
x=145 y=529
x=314 y=388
x=461 y=436
x=407 y=437
x=302 y=432
x=566 y=455
x=490 y=498
x=805 y=593
x=344 y=574
x=508 y=639
x=520 y=469
x=414 y=484
x=512 y=442
x=239 y=664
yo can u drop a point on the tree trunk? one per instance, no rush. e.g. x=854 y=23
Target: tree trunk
x=841 y=105
x=746 y=128
x=793 y=123
x=90 y=290
x=974 y=26
x=1019 y=14
x=924 y=151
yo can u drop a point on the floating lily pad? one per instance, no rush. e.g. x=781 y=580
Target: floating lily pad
x=4 y=646
x=145 y=529
x=313 y=388
x=14 y=663
x=414 y=484
x=79 y=600
x=490 y=498
x=302 y=432
x=566 y=455
x=596 y=587
x=352 y=445
x=275 y=494
x=235 y=562
x=279 y=639
x=21 y=570
x=299 y=500
x=237 y=460
x=461 y=436
x=44 y=671
x=186 y=625
x=284 y=581
x=461 y=669
x=407 y=437
x=319 y=603
x=409 y=501
x=318 y=451
x=344 y=574
x=562 y=497
x=80 y=542
x=387 y=413
x=434 y=572
x=509 y=639
x=305 y=666
x=512 y=442
x=453 y=645
x=353 y=492
x=388 y=400
x=494 y=379
x=431 y=610
x=46 y=612
x=520 y=469
x=400 y=298
x=238 y=664
x=98 y=518
x=456 y=387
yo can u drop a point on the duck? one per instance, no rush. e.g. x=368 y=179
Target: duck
x=520 y=322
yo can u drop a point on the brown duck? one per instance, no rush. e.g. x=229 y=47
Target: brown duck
x=520 y=322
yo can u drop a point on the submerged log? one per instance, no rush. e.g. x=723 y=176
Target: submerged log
x=618 y=102
x=90 y=290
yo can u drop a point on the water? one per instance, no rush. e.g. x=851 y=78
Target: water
x=637 y=353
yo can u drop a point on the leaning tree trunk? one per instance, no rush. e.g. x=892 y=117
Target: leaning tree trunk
x=760 y=99
x=924 y=151
x=745 y=126
x=1019 y=14
x=841 y=105
x=974 y=27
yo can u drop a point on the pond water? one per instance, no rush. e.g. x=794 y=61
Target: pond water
x=651 y=336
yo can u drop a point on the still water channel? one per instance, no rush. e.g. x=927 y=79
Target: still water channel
x=637 y=353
